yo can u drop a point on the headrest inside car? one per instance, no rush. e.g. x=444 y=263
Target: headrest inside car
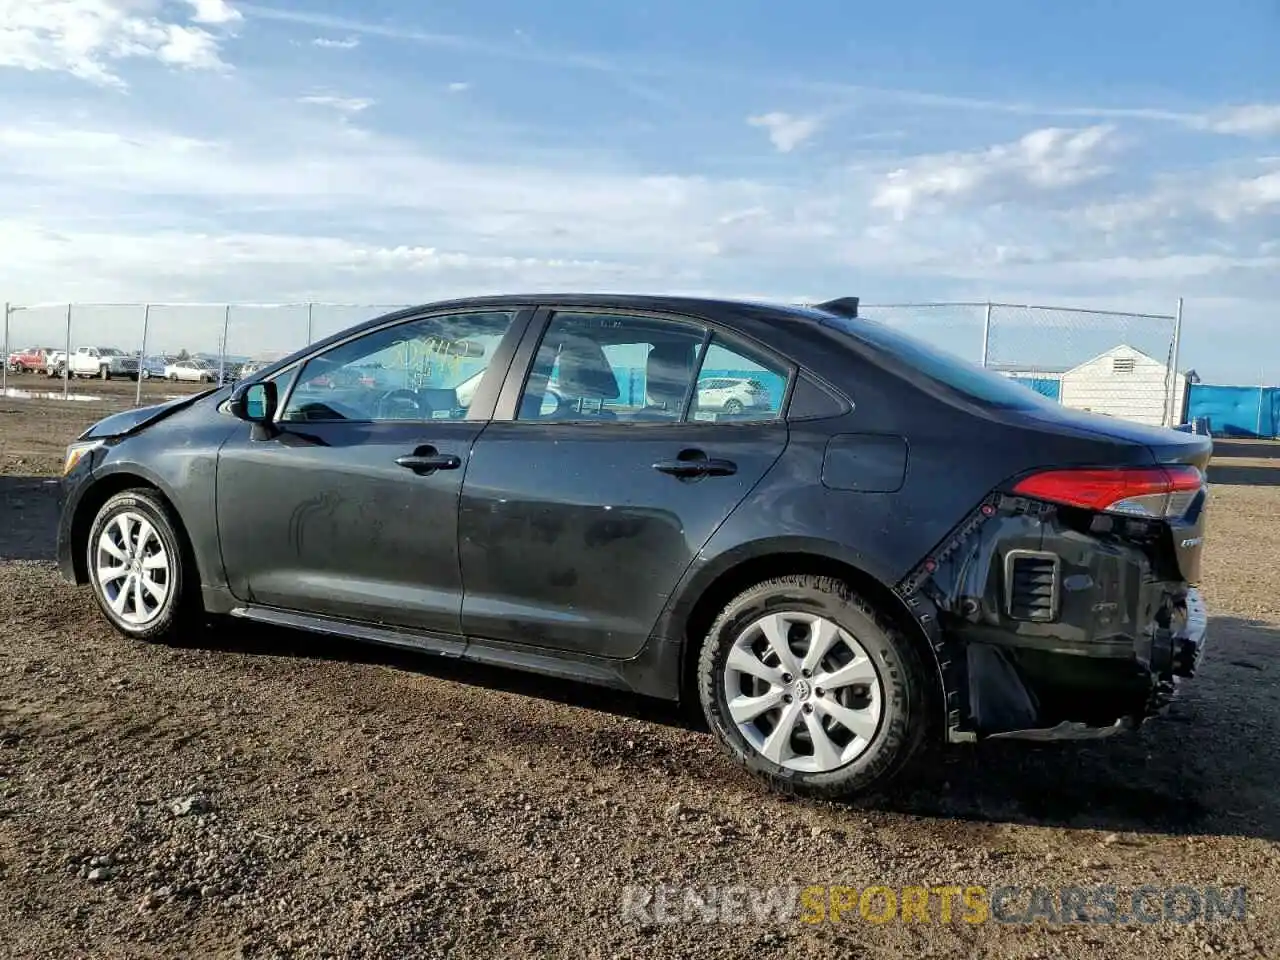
x=585 y=371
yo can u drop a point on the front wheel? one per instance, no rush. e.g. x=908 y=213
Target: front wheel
x=105 y=373
x=733 y=406
x=805 y=684
x=137 y=566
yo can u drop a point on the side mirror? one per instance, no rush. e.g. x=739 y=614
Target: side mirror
x=256 y=403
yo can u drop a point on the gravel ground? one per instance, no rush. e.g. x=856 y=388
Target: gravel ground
x=261 y=793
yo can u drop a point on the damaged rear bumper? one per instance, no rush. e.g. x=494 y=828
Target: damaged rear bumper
x=1046 y=631
x=1175 y=656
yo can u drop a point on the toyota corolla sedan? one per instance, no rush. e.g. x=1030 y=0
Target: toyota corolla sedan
x=889 y=548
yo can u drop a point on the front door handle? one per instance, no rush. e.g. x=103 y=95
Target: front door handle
x=690 y=466
x=425 y=461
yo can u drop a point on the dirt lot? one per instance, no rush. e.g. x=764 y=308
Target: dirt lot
x=261 y=793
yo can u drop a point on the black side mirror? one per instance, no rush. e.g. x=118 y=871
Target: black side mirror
x=256 y=403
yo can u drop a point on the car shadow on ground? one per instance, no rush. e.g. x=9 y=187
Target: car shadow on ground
x=28 y=517
x=1226 y=473
x=1252 y=449
x=1207 y=767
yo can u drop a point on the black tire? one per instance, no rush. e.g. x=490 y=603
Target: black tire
x=904 y=721
x=105 y=373
x=733 y=406
x=180 y=608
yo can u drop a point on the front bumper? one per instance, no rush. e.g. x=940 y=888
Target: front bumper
x=71 y=493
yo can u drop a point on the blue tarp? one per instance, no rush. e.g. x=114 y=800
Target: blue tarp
x=1236 y=411
x=1050 y=387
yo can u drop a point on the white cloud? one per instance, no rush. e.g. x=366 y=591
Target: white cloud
x=350 y=43
x=87 y=37
x=1232 y=199
x=215 y=12
x=347 y=105
x=1255 y=119
x=459 y=86
x=1047 y=159
x=786 y=131
x=1188 y=200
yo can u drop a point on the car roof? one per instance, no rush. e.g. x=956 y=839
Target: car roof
x=752 y=312
x=676 y=303
x=795 y=330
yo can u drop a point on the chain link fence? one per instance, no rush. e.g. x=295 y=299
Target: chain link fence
x=1124 y=365
x=158 y=345
x=1121 y=364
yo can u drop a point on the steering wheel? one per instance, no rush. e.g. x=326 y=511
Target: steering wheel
x=401 y=394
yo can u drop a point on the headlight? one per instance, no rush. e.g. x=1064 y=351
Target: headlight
x=76 y=452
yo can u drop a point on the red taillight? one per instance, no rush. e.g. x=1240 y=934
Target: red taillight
x=1142 y=492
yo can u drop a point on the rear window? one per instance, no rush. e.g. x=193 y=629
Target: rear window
x=941 y=365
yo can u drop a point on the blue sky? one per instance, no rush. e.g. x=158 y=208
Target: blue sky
x=1089 y=154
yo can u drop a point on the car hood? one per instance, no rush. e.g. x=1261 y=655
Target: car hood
x=131 y=421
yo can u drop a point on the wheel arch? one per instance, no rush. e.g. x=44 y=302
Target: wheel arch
x=102 y=490
x=730 y=579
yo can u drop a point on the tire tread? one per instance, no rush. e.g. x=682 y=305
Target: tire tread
x=897 y=752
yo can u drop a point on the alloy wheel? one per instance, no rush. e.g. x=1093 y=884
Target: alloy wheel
x=803 y=692
x=133 y=568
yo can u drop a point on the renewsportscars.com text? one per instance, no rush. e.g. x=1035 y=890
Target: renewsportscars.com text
x=973 y=904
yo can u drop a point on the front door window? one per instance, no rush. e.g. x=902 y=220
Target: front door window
x=425 y=369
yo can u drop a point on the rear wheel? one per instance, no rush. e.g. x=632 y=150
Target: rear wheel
x=810 y=689
x=105 y=372
x=137 y=566
x=733 y=406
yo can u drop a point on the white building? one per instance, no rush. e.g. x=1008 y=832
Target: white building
x=1126 y=383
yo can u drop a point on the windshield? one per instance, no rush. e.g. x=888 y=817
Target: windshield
x=942 y=365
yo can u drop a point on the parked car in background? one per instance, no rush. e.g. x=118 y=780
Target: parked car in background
x=898 y=548
x=29 y=360
x=732 y=394
x=103 y=362
x=190 y=371
x=55 y=363
x=155 y=366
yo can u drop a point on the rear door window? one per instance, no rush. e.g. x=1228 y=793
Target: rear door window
x=737 y=385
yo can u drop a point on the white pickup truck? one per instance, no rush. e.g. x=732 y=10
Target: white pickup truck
x=104 y=362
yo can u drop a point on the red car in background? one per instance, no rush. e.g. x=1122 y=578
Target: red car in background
x=30 y=360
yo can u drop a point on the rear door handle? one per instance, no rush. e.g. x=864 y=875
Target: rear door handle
x=425 y=463
x=701 y=467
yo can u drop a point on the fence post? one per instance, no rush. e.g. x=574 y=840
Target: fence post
x=1262 y=397
x=66 y=361
x=142 y=354
x=222 y=354
x=1177 y=351
x=310 y=308
x=4 y=370
x=986 y=336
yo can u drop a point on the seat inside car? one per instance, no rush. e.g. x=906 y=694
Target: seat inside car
x=438 y=401
x=585 y=380
x=668 y=371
